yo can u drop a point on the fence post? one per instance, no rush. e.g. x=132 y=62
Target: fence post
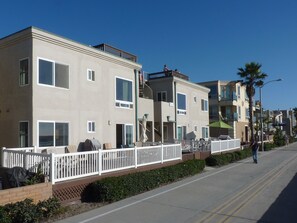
x=24 y=160
x=2 y=156
x=52 y=168
x=162 y=153
x=135 y=157
x=100 y=161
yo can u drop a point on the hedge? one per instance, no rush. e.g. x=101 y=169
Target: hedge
x=27 y=212
x=223 y=159
x=112 y=189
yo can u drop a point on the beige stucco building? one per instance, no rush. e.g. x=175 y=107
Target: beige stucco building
x=228 y=102
x=181 y=107
x=56 y=92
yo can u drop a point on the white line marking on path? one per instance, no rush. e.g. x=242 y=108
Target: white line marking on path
x=166 y=191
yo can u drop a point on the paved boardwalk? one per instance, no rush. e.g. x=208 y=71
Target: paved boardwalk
x=239 y=192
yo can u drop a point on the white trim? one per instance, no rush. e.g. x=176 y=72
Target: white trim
x=54 y=122
x=29 y=71
x=54 y=74
x=181 y=111
x=204 y=105
x=124 y=104
x=92 y=76
x=92 y=130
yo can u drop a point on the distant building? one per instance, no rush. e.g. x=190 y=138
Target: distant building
x=228 y=102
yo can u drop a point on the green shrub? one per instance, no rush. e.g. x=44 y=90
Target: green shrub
x=116 y=188
x=22 y=212
x=27 y=212
x=4 y=217
x=223 y=159
x=279 y=138
x=49 y=207
x=269 y=146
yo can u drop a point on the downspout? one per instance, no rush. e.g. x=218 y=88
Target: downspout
x=175 y=110
x=136 y=104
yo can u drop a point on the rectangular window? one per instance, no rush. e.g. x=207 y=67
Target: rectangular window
x=124 y=93
x=162 y=95
x=53 y=134
x=53 y=74
x=24 y=134
x=181 y=104
x=204 y=105
x=129 y=134
x=181 y=132
x=205 y=132
x=91 y=75
x=239 y=112
x=195 y=128
x=91 y=126
x=24 y=72
x=124 y=135
x=238 y=91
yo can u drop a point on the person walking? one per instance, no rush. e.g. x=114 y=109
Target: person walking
x=255 y=148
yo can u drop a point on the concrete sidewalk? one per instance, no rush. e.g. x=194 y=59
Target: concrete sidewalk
x=239 y=192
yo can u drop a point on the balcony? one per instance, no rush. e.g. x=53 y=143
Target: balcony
x=117 y=52
x=169 y=73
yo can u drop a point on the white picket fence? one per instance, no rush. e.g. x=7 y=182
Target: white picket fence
x=224 y=145
x=62 y=167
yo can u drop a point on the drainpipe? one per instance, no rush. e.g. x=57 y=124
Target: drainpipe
x=136 y=103
x=175 y=110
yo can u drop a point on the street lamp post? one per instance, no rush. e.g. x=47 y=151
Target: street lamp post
x=261 y=112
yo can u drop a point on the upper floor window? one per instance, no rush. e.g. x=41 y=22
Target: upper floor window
x=53 y=74
x=238 y=91
x=239 y=112
x=91 y=75
x=24 y=72
x=181 y=104
x=162 y=95
x=91 y=126
x=124 y=93
x=204 y=105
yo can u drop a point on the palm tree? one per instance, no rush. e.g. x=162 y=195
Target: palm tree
x=253 y=77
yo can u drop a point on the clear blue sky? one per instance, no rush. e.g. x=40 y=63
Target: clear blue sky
x=205 y=39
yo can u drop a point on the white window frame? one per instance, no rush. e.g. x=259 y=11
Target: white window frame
x=22 y=85
x=91 y=124
x=203 y=132
x=54 y=122
x=120 y=103
x=92 y=77
x=53 y=75
x=125 y=133
x=181 y=111
x=204 y=108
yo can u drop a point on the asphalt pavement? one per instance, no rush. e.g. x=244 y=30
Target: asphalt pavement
x=240 y=192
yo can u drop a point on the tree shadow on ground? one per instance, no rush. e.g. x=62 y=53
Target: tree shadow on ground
x=284 y=209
